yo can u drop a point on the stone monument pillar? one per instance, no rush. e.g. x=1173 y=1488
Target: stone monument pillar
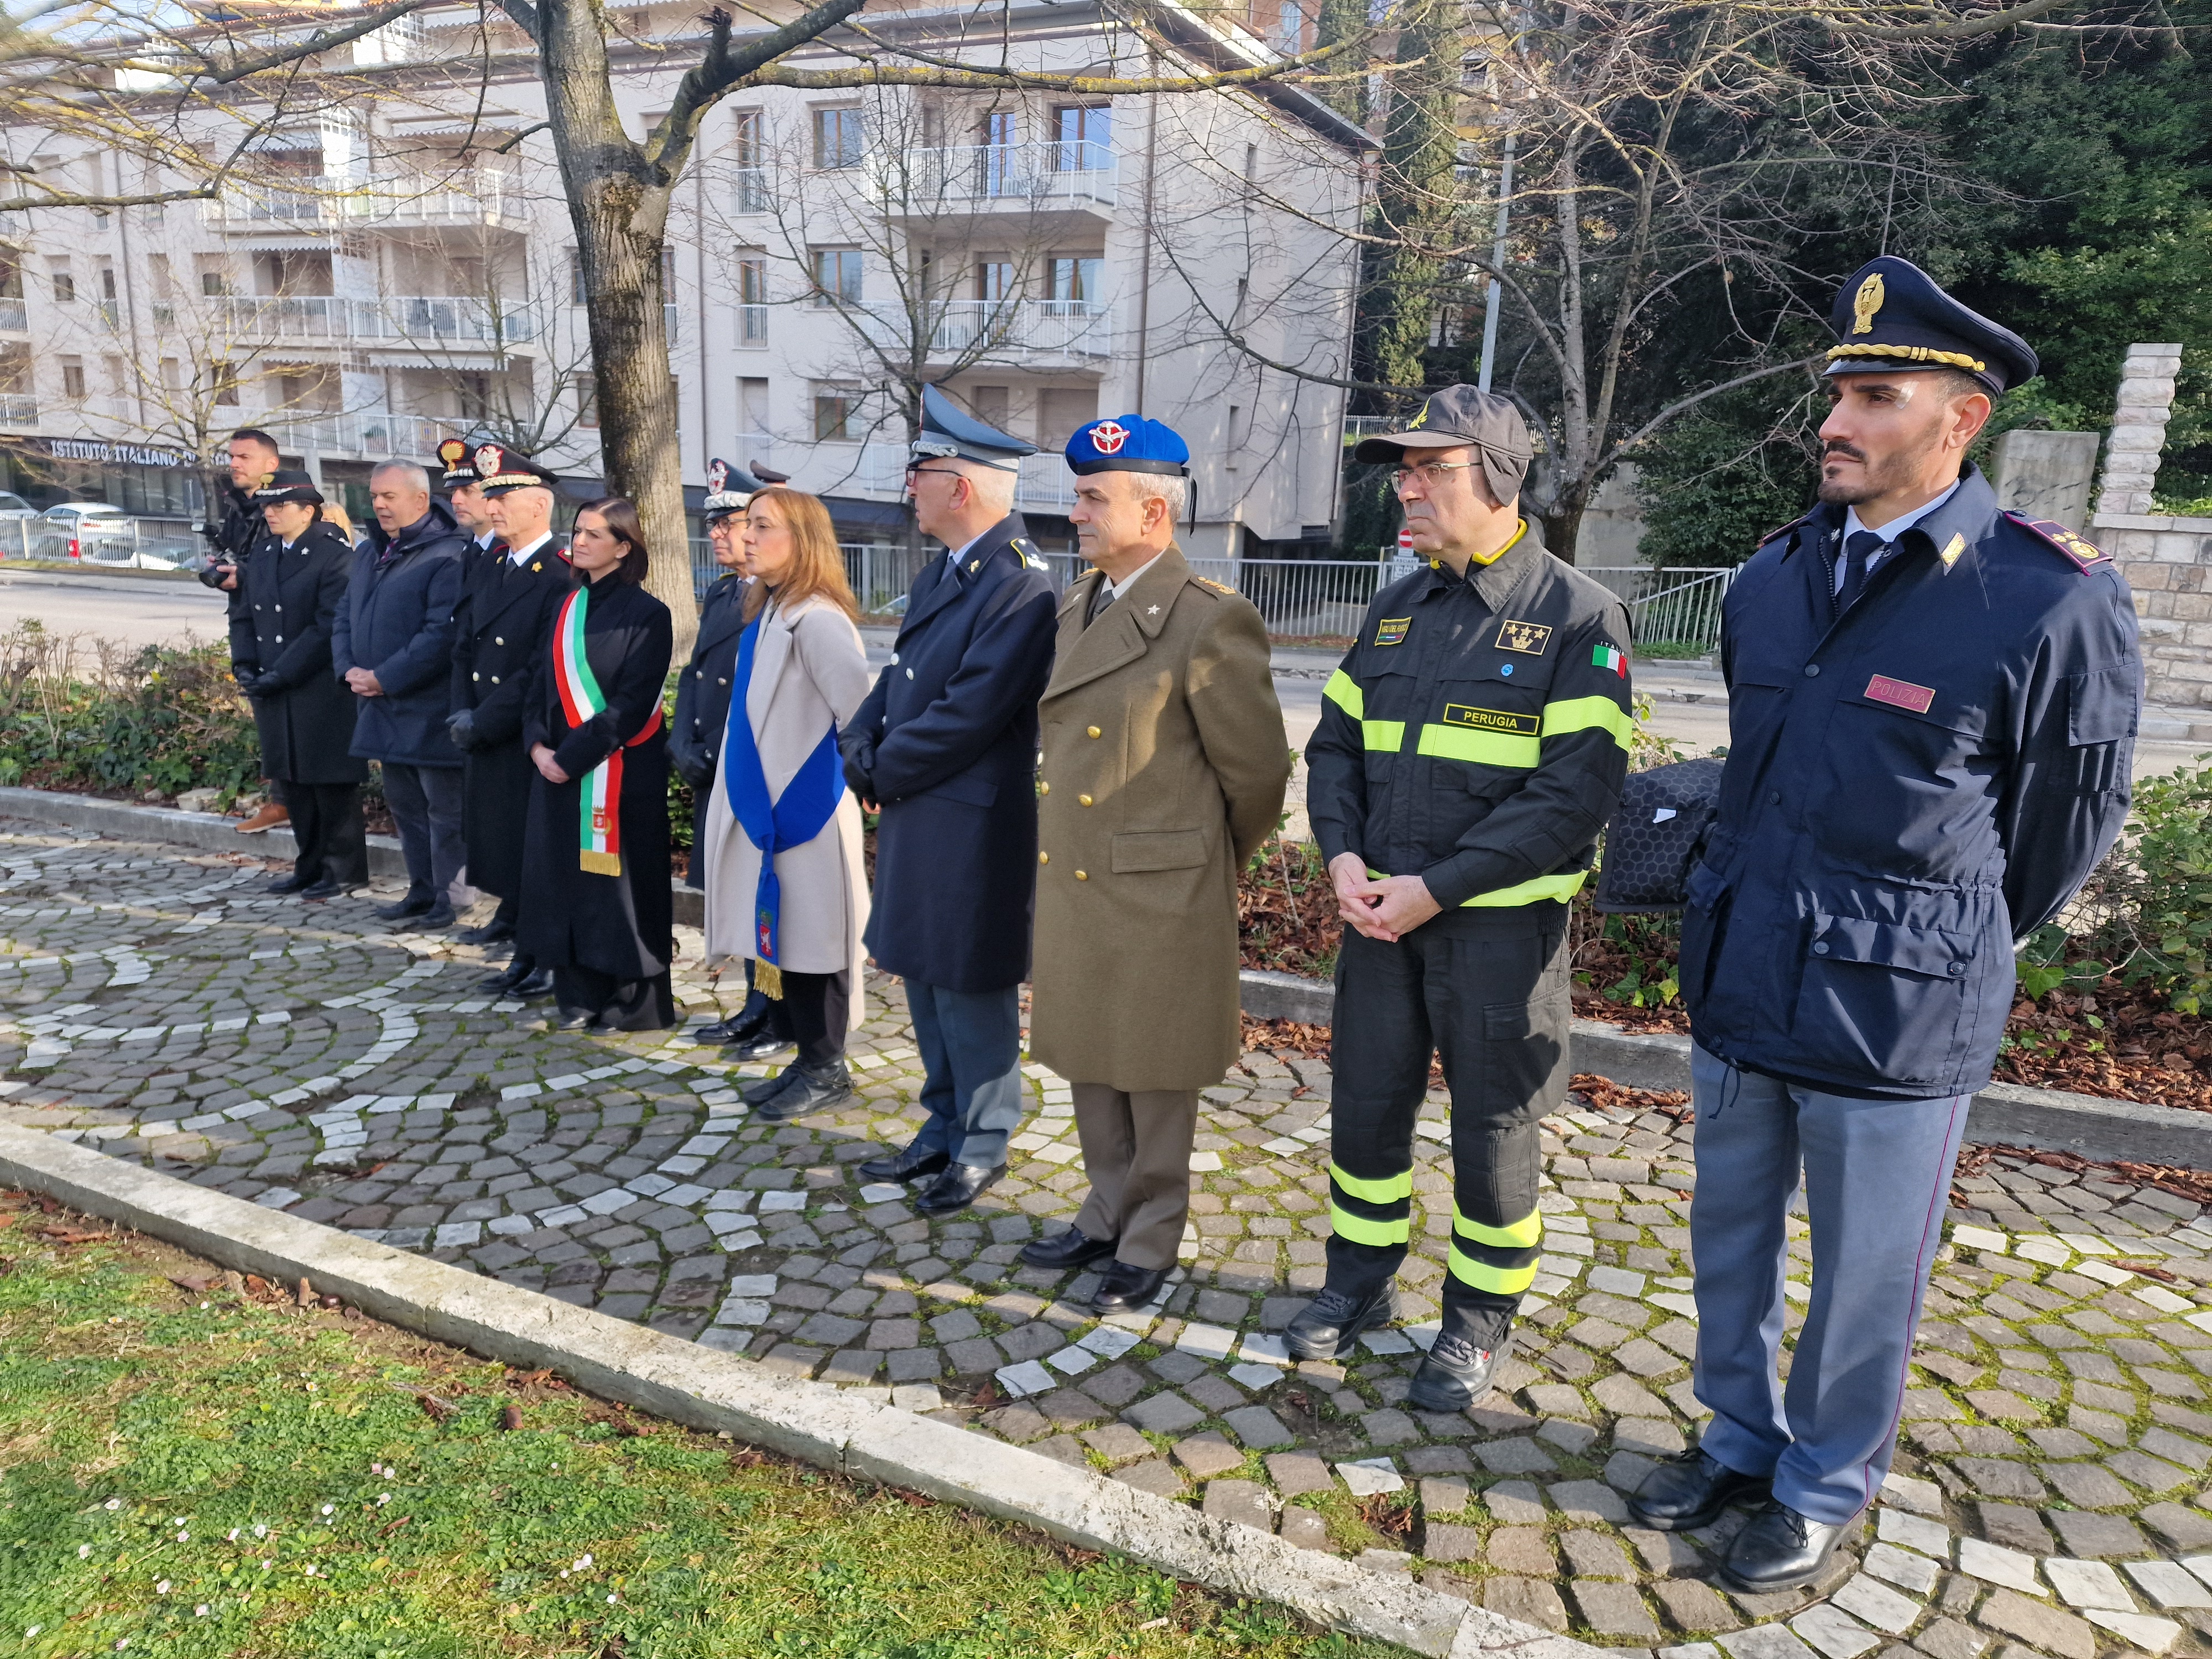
x=2146 y=401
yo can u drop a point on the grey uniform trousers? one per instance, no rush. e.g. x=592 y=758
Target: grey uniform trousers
x=1136 y=1149
x=1877 y=1176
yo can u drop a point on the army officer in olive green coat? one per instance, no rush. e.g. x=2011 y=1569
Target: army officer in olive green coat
x=1164 y=767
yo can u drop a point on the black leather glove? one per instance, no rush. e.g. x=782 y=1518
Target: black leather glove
x=461 y=727
x=858 y=779
x=697 y=772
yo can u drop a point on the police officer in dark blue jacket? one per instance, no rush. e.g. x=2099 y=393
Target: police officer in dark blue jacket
x=946 y=745
x=1932 y=711
x=762 y=1024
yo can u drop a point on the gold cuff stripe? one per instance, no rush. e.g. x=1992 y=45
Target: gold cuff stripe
x=1904 y=354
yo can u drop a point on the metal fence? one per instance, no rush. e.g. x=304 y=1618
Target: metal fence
x=1679 y=608
x=141 y=543
x=880 y=575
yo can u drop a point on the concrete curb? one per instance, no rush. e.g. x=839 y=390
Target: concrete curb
x=702 y=1388
x=2005 y=1114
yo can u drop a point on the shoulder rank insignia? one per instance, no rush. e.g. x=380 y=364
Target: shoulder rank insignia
x=1528 y=638
x=2078 y=548
x=1777 y=535
x=1207 y=581
x=1952 y=550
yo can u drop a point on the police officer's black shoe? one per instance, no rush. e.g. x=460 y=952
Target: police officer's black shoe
x=538 y=982
x=1690 y=1489
x=324 y=889
x=909 y=1163
x=1333 y=1321
x=807 y=1089
x=414 y=904
x=1780 y=1550
x=571 y=1019
x=297 y=882
x=1454 y=1375
x=961 y=1185
x=718 y=1032
x=761 y=1089
x=492 y=932
x=1125 y=1289
x=1072 y=1249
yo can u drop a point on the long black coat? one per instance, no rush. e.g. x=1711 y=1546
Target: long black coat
x=281 y=613
x=398 y=622
x=948 y=741
x=703 y=695
x=504 y=608
x=621 y=926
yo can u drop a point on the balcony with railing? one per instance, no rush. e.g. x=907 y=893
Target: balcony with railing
x=316 y=205
x=1080 y=174
x=14 y=320
x=752 y=326
x=444 y=319
x=18 y=408
x=1000 y=331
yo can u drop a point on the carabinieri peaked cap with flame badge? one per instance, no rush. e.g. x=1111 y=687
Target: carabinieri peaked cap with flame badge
x=288 y=486
x=1891 y=318
x=948 y=433
x=456 y=456
x=502 y=468
x=729 y=490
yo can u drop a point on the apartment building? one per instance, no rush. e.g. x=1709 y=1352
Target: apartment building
x=400 y=265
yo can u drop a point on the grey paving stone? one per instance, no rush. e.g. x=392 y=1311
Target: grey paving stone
x=1514 y=1456
x=1245 y=1502
x=1588 y=1501
x=1299 y=1472
x=1154 y=1475
x=1529 y=1600
x=1165 y=1412
x=1257 y=1427
x=1117 y=1442
x=1514 y=1504
x=1613 y=1609
x=1594 y=1555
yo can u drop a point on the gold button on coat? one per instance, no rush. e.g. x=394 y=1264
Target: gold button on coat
x=1083 y=875
x=1044 y=789
x=1044 y=858
x=1091 y=731
x=1086 y=799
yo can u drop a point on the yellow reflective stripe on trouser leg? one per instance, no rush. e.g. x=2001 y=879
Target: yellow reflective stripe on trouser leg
x=1586 y=713
x=1371 y=1211
x=1501 y=1261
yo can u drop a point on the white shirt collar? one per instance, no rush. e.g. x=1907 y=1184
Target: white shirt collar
x=1123 y=585
x=1897 y=526
x=954 y=555
x=485 y=540
x=516 y=554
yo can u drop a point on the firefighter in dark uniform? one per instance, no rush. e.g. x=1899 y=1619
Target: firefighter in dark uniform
x=290 y=584
x=508 y=594
x=1470 y=749
x=1932 y=707
x=761 y=1026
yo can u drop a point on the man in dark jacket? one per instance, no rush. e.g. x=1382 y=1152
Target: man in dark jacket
x=947 y=743
x=289 y=588
x=233 y=529
x=761 y=1026
x=393 y=645
x=1932 y=705
x=509 y=592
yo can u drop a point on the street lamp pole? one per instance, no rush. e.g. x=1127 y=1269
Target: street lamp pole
x=1497 y=261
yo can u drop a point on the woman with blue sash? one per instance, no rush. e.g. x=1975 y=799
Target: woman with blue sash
x=595 y=903
x=779 y=848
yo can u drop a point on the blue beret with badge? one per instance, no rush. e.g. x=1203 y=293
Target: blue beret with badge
x=949 y=433
x=1127 y=443
x=1892 y=318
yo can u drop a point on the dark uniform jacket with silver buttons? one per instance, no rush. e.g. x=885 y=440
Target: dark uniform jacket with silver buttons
x=281 y=616
x=703 y=695
x=1477 y=734
x=946 y=745
x=1910 y=786
x=501 y=626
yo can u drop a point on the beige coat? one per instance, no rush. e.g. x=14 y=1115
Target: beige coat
x=1164 y=766
x=809 y=669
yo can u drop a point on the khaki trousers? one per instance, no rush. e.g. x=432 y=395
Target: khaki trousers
x=1136 y=1148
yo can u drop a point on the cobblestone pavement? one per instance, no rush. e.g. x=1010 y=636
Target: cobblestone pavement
x=2049 y=1499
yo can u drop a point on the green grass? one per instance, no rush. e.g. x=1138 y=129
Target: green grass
x=198 y=1473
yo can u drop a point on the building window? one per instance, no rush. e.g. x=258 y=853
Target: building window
x=836 y=276
x=213 y=285
x=223 y=377
x=995 y=280
x=746 y=153
x=745 y=138
x=837 y=138
x=752 y=301
x=836 y=409
x=1084 y=138
x=64 y=285
x=578 y=293
x=72 y=377
x=1290 y=30
x=587 y=400
x=11 y=276
x=1077 y=277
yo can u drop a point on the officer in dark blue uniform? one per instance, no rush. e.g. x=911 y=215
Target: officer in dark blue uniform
x=946 y=743
x=761 y=1025
x=1932 y=710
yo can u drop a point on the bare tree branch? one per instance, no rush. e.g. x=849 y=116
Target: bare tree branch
x=321 y=41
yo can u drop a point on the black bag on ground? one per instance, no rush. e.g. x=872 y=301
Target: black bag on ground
x=1657 y=834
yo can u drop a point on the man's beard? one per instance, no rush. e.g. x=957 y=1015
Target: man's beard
x=1880 y=476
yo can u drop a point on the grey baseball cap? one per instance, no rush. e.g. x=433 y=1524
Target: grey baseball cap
x=1464 y=415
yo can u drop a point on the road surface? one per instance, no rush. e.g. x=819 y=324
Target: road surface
x=138 y=611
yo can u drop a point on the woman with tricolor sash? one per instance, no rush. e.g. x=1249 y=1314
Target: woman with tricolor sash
x=797 y=912
x=595 y=903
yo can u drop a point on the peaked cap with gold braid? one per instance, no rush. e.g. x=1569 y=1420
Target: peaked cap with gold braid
x=1891 y=318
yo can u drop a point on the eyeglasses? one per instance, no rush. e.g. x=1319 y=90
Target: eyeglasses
x=1431 y=473
x=923 y=470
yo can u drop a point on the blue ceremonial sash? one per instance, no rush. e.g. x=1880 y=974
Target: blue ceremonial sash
x=804 y=810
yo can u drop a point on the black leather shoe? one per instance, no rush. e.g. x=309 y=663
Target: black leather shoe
x=413 y=905
x=1454 y=1375
x=756 y=1045
x=717 y=1032
x=807 y=1089
x=295 y=882
x=508 y=977
x=1780 y=1550
x=1125 y=1289
x=1069 y=1249
x=960 y=1186
x=570 y=1019
x=1332 y=1322
x=763 y=1089
x=324 y=889
x=910 y=1165
x=431 y=921
x=490 y=934
x=537 y=983
x=1690 y=1489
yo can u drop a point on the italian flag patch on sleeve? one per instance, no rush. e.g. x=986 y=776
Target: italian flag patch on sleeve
x=1612 y=661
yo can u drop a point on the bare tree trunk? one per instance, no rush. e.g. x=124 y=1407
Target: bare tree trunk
x=618 y=203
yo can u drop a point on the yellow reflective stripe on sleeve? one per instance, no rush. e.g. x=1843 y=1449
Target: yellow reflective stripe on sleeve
x=1521 y=1234
x=1389 y=1190
x=1362 y=1231
x=1561 y=887
x=1586 y=713
x=1344 y=691
x=1498 y=1281
x=1481 y=748
x=1383 y=737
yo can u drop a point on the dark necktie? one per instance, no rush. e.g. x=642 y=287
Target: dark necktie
x=1103 y=597
x=1858 y=547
